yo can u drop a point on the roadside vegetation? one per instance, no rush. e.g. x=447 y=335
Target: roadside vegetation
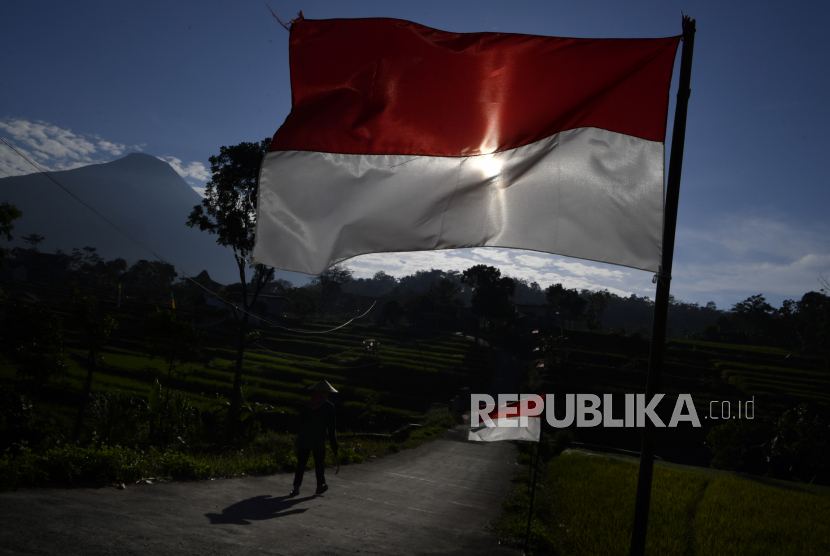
x=268 y=453
x=156 y=405
x=584 y=505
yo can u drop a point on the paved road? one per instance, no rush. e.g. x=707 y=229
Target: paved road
x=435 y=499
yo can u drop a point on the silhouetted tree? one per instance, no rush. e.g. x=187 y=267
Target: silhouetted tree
x=8 y=214
x=279 y=286
x=443 y=296
x=597 y=303
x=330 y=283
x=33 y=240
x=229 y=211
x=754 y=316
x=376 y=286
x=112 y=269
x=566 y=303
x=528 y=292
x=814 y=325
x=391 y=313
x=492 y=293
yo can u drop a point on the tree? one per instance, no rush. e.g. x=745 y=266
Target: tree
x=97 y=330
x=391 y=313
x=229 y=211
x=115 y=267
x=492 y=293
x=174 y=340
x=34 y=240
x=755 y=316
x=91 y=256
x=814 y=324
x=86 y=258
x=330 y=283
x=8 y=214
x=378 y=285
x=279 y=286
x=597 y=303
x=154 y=274
x=566 y=303
x=385 y=283
x=440 y=301
x=443 y=296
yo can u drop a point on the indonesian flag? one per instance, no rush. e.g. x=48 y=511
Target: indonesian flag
x=406 y=138
x=519 y=420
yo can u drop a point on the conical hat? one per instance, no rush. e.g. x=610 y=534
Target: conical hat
x=323 y=386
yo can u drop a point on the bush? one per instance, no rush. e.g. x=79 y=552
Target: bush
x=348 y=454
x=183 y=466
x=739 y=445
x=70 y=464
x=118 y=418
x=441 y=418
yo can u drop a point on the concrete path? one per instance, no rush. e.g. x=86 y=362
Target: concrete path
x=436 y=499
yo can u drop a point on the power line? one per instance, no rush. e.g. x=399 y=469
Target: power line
x=162 y=259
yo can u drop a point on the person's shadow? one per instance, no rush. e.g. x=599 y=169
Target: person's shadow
x=257 y=508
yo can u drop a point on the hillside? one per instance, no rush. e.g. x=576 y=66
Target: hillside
x=139 y=193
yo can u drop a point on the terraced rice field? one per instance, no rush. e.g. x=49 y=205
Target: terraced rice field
x=410 y=371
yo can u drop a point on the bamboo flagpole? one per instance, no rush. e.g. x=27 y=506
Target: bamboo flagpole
x=663 y=278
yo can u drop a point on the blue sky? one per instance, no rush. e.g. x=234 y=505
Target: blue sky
x=90 y=82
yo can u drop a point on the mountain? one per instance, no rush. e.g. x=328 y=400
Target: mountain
x=140 y=194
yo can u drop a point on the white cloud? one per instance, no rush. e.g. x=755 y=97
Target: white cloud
x=113 y=148
x=194 y=170
x=724 y=260
x=731 y=258
x=492 y=254
x=533 y=261
x=582 y=269
x=52 y=148
x=541 y=268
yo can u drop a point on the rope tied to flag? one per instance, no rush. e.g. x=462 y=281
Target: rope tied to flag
x=663 y=277
x=290 y=23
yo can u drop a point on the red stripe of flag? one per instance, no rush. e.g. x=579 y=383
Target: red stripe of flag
x=387 y=86
x=514 y=409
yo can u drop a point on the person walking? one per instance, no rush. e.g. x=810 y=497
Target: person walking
x=317 y=422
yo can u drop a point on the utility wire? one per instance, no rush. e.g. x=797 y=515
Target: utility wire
x=162 y=259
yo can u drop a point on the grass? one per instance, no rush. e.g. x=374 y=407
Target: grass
x=269 y=453
x=375 y=393
x=742 y=518
x=585 y=506
x=405 y=378
x=765 y=379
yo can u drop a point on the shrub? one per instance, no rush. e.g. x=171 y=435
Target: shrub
x=348 y=454
x=183 y=466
